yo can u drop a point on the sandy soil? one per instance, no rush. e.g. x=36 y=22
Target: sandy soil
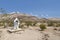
x=29 y=34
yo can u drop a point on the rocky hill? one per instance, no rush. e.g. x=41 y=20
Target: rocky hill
x=25 y=17
x=21 y=16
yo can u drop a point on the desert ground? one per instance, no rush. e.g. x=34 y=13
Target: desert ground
x=31 y=33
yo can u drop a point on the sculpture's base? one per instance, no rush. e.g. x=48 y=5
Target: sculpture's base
x=14 y=30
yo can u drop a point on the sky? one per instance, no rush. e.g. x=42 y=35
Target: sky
x=39 y=8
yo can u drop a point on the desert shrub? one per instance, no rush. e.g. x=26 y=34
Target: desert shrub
x=34 y=23
x=28 y=23
x=21 y=26
x=10 y=23
x=42 y=26
x=50 y=24
x=2 y=23
x=6 y=23
x=57 y=24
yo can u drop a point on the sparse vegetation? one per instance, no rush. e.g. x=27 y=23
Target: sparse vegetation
x=6 y=22
x=42 y=26
x=58 y=25
x=21 y=26
x=2 y=23
x=28 y=23
x=10 y=23
x=50 y=24
x=34 y=23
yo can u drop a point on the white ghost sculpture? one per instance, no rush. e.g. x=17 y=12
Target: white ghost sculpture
x=16 y=23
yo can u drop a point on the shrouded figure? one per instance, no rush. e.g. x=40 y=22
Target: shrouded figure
x=16 y=23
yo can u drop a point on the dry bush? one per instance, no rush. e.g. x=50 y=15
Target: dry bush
x=28 y=23
x=50 y=24
x=42 y=26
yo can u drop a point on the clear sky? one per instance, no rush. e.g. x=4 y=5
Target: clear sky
x=40 y=8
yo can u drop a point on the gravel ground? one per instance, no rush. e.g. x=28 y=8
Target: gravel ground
x=28 y=34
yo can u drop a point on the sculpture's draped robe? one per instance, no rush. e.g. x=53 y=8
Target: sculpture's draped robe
x=16 y=23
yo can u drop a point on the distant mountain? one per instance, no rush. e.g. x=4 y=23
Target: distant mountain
x=57 y=20
x=21 y=16
x=54 y=19
x=25 y=17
